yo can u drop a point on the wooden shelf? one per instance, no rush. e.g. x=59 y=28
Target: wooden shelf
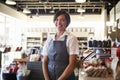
x=33 y=42
x=82 y=41
x=21 y=60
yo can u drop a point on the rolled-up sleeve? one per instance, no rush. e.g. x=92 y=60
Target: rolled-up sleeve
x=73 y=47
x=45 y=47
x=44 y=51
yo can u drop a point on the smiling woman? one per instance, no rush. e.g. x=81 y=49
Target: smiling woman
x=60 y=51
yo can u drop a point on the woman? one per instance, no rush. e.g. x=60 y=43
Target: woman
x=60 y=51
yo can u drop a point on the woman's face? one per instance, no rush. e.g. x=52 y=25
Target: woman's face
x=60 y=23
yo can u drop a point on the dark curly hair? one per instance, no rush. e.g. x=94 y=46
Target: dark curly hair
x=65 y=13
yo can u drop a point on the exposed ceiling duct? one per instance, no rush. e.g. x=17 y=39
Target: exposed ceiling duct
x=51 y=6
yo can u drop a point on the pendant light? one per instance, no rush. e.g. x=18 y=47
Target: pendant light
x=80 y=9
x=52 y=9
x=80 y=1
x=10 y=2
x=26 y=10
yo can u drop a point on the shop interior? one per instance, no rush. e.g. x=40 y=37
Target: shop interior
x=26 y=24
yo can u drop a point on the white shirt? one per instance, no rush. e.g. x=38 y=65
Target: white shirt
x=72 y=43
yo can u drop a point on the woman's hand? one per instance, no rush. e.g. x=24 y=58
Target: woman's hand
x=60 y=78
x=69 y=69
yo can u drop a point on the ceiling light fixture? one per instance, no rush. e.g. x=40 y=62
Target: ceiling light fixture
x=10 y=2
x=80 y=1
x=26 y=11
x=80 y=10
x=52 y=10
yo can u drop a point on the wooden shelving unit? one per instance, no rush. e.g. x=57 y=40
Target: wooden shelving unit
x=82 y=41
x=33 y=42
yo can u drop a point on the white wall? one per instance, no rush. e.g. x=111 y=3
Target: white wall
x=96 y=21
x=11 y=12
x=47 y=21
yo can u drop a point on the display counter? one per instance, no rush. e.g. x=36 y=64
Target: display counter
x=9 y=76
x=98 y=75
x=36 y=70
x=90 y=78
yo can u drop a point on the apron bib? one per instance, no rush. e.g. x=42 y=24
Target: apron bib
x=58 y=59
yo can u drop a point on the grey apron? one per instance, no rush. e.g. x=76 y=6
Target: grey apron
x=58 y=59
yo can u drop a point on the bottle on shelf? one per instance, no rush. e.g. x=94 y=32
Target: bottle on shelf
x=90 y=43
